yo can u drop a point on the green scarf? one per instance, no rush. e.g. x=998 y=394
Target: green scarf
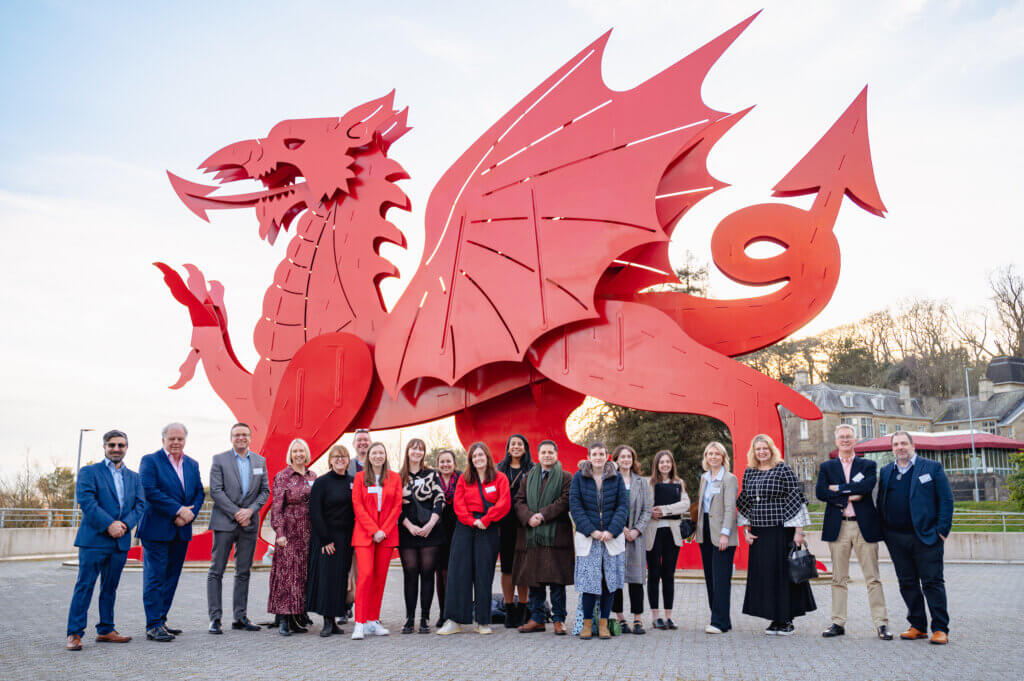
x=536 y=499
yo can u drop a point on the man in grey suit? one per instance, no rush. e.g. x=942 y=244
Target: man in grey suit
x=239 y=487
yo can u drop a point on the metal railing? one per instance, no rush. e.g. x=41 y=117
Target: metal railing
x=60 y=517
x=965 y=520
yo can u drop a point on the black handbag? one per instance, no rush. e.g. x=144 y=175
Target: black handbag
x=803 y=566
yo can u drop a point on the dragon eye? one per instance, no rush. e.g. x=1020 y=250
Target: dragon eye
x=293 y=143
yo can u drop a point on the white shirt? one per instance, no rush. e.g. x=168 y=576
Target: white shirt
x=710 y=490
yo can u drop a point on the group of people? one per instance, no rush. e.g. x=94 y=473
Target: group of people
x=605 y=528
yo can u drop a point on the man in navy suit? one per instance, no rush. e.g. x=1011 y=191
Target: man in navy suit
x=916 y=506
x=851 y=524
x=174 y=495
x=110 y=497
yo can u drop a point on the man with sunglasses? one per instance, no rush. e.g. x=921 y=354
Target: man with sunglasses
x=112 y=502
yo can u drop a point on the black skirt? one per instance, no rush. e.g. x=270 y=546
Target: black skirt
x=327 y=579
x=769 y=593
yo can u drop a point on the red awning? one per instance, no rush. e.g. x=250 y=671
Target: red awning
x=939 y=442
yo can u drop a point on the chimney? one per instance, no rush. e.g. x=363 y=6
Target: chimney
x=908 y=406
x=985 y=389
x=800 y=378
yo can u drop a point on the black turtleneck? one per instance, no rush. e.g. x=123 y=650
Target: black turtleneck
x=330 y=508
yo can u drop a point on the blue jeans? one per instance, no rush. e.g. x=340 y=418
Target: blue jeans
x=537 y=594
x=161 y=568
x=92 y=563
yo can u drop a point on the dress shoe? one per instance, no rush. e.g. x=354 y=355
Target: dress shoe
x=940 y=638
x=587 y=632
x=638 y=628
x=215 y=627
x=112 y=637
x=659 y=623
x=912 y=634
x=834 y=630
x=74 y=642
x=245 y=624
x=159 y=634
x=424 y=626
x=884 y=633
x=624 y=625
x=602 y=628
x=560 y=629
x=171 y=631
x=531 y=626
x=669 y=624
x=408 y=627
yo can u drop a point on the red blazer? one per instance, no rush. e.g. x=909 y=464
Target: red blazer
x=467 y=500
x=368 y=519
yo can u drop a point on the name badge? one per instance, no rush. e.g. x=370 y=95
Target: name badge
x=418 y=482
x=925 y=478
x=257 y=471
x=374 y=489
x=309 y=482
x=858 y=477
x=715 y=489
x=490 y=488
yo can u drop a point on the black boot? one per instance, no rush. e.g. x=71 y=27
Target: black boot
x=328 y=627
x=522 y=614
x=295 y=623
x=424 y=625
x=284 y=630
x=511 y=615
x=407 y=628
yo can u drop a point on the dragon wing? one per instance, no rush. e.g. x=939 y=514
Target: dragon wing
x=521 y=228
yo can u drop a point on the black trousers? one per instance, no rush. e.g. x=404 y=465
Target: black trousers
x=919 y=568
x=661 y=567
x=717 y=577
x=471 y=574
x=636 y=599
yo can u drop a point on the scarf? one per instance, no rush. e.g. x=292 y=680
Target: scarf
x=449 y=489
x=537 y=498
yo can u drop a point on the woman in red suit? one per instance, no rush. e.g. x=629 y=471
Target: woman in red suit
x=377 y=501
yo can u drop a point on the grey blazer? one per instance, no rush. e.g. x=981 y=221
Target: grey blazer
x=723 y=510
x=641 y=501
x=226 y=490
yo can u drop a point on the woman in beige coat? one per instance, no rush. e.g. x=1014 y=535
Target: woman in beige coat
x=664 y=539
x=716 y=532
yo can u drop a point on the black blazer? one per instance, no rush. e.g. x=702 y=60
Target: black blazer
x=831 y=473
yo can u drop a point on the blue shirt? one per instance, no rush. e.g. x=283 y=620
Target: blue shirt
x=118 y=474
x=244 y=471
x=910 y=464
x=710 y=488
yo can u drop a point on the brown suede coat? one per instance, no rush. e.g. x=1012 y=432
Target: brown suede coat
x=540 y=564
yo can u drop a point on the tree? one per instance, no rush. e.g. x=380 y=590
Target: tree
x=1015 y=481
x=1007 y=286
x=852 y=363
x=58 y=487
x=22 y=491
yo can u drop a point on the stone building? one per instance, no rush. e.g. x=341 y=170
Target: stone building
x=998 y=408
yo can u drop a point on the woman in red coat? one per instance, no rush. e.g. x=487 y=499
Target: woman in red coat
x=377 y=501
x=481 y=500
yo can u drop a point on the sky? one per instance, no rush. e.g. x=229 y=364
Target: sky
x=99 y=99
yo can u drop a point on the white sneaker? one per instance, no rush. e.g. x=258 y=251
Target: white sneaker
x=376 y=628
x=450 y=627
x=712 y=629
x=358 y=632
x=484 y=629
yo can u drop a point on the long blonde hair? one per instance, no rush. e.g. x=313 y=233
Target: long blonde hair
x=776 y=454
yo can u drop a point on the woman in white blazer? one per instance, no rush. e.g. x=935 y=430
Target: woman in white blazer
x=671 y=505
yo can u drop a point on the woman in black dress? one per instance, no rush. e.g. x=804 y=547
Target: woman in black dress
x=447 y=477
x=773 y=507
x=330 y=543
x=420 y=534
x=515 y=466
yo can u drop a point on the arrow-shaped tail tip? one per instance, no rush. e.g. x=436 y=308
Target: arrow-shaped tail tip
x=840 y=161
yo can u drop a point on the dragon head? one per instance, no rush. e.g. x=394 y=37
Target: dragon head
x=303 y=164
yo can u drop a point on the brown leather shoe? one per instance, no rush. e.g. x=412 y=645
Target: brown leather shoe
x=602 y=628
x=912 y=634
x=74 y=642
x=112 y=637
x=940 y=638
x=531 y=626
x=587 y=632
x=559 y=629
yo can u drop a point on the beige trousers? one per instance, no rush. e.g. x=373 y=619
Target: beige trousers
x=850 y=539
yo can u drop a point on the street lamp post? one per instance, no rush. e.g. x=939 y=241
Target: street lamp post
x=78 y=466
x=970 y=420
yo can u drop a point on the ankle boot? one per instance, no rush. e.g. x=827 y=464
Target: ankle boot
x=602 y=628
x=328 y=627
x=407 y=628
x=588 y=629
x=284 y=630
x=510 y=616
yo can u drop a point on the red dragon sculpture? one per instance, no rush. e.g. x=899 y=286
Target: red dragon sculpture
x=542 y=242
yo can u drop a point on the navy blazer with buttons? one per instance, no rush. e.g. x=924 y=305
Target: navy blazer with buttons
x=831 y=473
x=97 y=497
x=165 y=495
x=931 y=501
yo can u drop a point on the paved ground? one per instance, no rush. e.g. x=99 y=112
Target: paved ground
x=986 y=603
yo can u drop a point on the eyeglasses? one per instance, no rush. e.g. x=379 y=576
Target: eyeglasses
x=115 y=445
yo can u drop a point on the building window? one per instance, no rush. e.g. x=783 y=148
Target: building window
x=846 y=420
x=867 y=430
x=878 y=402
x=896 y=427
x=989 y=427
x=804 y=435
x=847 y=399
x=882 y=429
x=805 y=468
x=953 y=427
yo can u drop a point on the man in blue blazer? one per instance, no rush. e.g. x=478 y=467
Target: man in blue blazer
x=110 y=497
x=174 y=495
x=916 y=506
x=851 y=525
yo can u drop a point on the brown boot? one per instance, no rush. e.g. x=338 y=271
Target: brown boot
x=531 y=626
x=74 y=642
x=112 y=637
x=588 y=629
x=602 y=628
x=559 y=629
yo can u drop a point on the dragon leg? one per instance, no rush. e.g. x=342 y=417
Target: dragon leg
x=537 y=412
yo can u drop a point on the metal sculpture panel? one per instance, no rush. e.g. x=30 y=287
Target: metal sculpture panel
x=542 y=242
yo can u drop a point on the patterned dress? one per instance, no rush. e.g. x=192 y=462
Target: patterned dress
x=289 y=516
